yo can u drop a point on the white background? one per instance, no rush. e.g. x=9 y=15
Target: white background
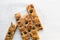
x=47 y=10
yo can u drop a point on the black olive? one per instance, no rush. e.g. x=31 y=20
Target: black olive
x=28 y=30
x=17 y=19
x=9 y=33
x=19 y=22
x=39 y=25
x=26 y=22
x=21 y=34
x=31 y=11
x=33 y=28
x=25 y=32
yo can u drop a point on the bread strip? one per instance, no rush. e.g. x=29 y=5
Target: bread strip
x=31 y=28
x=20 y=23
x=10 y=32
x=33 y=15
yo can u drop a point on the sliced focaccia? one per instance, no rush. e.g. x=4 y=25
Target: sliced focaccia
x=31 y=28
x=20 y=24
x=10 y=32
x=32 y=13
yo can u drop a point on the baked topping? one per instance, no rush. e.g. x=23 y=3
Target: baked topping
x=33 y=28
x=31 y=11
x=28 y=30
x=39 y=25
x=26 y=22
x=9 y=33
x=25 y=32
x=21 y=34
x=17 y=19
x=19 y=22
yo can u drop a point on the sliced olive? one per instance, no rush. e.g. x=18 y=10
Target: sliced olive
x=28 y=30
x=19 y=22
x=17 y=19
x=39 y=25
x=25 y=32
x=9 y=33
x=21 y=34
x=26 y=22
x=33 y=28
x=31 y=11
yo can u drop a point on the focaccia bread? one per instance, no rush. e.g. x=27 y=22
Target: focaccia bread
x=32 y=13
x=20 y=24
x=10 y=32
x=31 y=28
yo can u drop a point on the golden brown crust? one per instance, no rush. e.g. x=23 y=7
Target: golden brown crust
x=21 y=27
x=10 y=32
x=17 y=16
x=32 y=13
x=31 y=28
x=30 y=23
